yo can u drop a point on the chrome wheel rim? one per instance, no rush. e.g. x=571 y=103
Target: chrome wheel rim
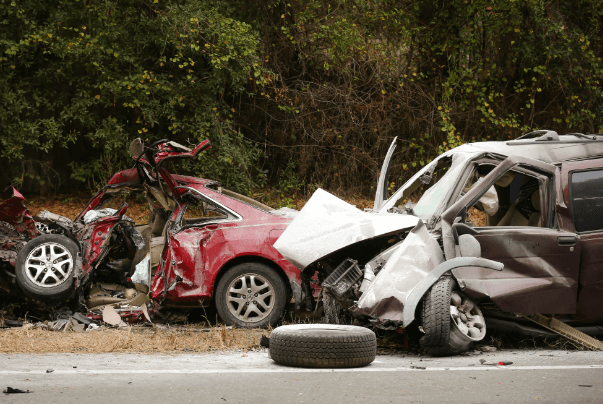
x=467 y=317
x=250 y=298
x=49 y=265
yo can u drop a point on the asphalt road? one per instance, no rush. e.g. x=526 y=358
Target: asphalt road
x=237 y=377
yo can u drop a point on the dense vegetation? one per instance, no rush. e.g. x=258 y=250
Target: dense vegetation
x=299 y=93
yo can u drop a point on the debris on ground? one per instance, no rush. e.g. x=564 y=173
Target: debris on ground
x=502 y=363
x=566 y=331
x=10 y=390
x=265 y=341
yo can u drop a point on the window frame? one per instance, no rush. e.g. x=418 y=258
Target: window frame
x=570 y=185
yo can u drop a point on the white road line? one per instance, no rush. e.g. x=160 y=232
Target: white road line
x=278 y=369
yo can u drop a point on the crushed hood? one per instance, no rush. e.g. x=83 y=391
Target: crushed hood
x=327 y=224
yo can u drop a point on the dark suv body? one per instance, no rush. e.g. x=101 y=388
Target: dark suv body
x=500 y=230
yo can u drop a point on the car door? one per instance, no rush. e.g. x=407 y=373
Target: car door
x=182 y=274
x=541 y=262
x=584 y=197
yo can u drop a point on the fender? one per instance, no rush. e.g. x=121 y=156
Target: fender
x=423 y=286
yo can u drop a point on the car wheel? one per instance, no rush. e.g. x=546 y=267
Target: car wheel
x=45 y=267
x=251 y=295
x=450 y=320
x=323 y=345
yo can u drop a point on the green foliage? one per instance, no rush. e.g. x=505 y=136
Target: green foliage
x=355 y=73
x=289 y=185
x=311 y=91
x=91 y=76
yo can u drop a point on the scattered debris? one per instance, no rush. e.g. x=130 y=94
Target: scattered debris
x=265 y=341
x=13 y=323
x=10 y=390
x=111 y=317
x=418 y=367
x=49 y=370
x=486 y=348
x=567 y=331
x=472 y=353
x=502 y=363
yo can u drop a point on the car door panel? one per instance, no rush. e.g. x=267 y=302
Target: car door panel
x=185 y=265
x=590 y=294
x=541 y=264
x=540 y=276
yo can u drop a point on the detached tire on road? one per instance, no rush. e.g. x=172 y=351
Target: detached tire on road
x=323 y=346
x=45 y=268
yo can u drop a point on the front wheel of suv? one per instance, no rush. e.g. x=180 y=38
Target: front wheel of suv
x=450 y=320
x=251 y=295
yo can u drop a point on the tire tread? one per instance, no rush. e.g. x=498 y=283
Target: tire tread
x=323 y=349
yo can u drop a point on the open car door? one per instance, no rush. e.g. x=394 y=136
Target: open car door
x=541 y=261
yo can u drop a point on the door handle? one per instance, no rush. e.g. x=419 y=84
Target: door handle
x=211 y=227
x=566 y=240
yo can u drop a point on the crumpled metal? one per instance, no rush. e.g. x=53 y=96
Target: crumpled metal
x=93 y=215
x=15 y=213
x=417 y=255
x=326 y=224
x=134 y=235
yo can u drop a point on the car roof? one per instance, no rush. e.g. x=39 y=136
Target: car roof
x=565 y=148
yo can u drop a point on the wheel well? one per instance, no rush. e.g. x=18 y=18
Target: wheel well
x=254 y=258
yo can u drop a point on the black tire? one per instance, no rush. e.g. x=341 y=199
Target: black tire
x=439 y=340
x=228 y=304
x=323 y=346
x=60 y=287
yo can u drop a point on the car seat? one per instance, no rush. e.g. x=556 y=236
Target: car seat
x=525 y=211
x=157 y=221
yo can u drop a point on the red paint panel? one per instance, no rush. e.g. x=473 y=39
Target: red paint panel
x=125 y=176
x=14 y=212
x=95 y=237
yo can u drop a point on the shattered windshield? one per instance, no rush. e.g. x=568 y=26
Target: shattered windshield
x=431 y=185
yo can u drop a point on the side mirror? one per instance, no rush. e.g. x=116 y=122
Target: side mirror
x=136 y=148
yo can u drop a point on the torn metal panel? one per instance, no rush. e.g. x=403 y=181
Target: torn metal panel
x=15 y=213
x=413 y=260
x=52 y=218
x=327 y=224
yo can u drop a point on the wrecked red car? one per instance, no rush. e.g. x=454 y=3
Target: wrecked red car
x=505 y=235
x=202 y=242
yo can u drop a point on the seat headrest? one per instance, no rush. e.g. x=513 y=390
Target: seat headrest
x=469 y=246
x=506 y=179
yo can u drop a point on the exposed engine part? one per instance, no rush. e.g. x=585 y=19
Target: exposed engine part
x=43 y=228
x=341 y=280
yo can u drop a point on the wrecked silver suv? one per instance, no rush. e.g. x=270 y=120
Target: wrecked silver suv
x=532 y=255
